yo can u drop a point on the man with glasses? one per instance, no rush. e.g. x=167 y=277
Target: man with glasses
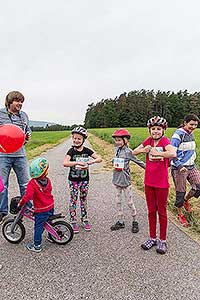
x=17 y=161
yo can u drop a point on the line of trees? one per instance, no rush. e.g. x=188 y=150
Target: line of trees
x=55 y=127
x=133 y=109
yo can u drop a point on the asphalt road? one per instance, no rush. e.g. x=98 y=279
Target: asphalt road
x=99 y=264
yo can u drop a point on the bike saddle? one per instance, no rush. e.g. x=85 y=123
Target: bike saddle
x=56 y=216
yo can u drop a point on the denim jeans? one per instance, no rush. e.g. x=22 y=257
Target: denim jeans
x=40 y=220
x=20 y=167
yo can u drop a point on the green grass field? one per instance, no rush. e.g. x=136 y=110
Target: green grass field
x=44 y=140
x=140 y=134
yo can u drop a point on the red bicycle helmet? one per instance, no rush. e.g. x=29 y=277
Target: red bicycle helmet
x=157 y=121
x=121 y=133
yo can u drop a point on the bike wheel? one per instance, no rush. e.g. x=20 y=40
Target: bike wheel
x=18 y=233
x=64 y=230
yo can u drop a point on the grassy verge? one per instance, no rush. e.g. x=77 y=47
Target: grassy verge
x=106 y=150
x=43 y=141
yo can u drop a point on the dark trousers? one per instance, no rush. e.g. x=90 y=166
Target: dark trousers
x=40 y=220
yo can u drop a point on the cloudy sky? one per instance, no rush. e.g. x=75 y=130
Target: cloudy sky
x=64 y=54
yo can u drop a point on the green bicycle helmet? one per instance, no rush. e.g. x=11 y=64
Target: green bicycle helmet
x=38 y=167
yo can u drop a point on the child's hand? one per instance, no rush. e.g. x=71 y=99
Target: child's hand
x=147 y=149
x=154 y=152
x=84 y=167
x=80 y=163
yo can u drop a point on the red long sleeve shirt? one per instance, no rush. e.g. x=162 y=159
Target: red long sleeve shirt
x=41 y=196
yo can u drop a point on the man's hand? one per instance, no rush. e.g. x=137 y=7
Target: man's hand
x=28 y=136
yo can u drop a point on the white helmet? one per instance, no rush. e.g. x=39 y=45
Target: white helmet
x=157 y=121
x=80 y=130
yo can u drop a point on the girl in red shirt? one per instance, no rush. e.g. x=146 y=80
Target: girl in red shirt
x=158 y=150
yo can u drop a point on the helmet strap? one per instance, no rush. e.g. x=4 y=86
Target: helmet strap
x=124 y=141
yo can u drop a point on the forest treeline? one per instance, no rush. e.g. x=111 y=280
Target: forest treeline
x=55 y=127
x=133 y=109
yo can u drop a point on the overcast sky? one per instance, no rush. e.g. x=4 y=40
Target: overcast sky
x=64 y=54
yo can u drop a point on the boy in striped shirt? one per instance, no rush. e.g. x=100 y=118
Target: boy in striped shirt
x=183 y=166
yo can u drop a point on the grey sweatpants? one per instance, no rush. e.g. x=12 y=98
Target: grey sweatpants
x=128 y=195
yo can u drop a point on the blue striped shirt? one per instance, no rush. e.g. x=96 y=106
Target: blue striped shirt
x=185 y=148
x=20 y=120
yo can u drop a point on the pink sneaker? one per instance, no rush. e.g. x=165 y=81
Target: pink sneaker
x=87 y=225
x=75 y=227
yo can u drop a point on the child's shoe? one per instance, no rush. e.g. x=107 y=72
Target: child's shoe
x=75 y=227
x=118 y=225
x=149 y=244
x=33 y=247
x=161 y=247
x=183 y=220
x=186 y=204
x=135 y=227
x=86 y=225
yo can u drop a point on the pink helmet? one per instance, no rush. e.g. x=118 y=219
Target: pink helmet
x=121 y=133
x=157 y=121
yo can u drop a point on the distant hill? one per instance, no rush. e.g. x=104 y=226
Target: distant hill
x=41 y=123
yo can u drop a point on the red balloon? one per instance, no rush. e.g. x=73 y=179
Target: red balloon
x=12 y=138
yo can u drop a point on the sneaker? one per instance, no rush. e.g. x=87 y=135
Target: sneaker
x=2 y=216
x=161 y=247
x=182 y=219
x=149 y=244
x=135 y=227
x=118 y=225
x=86 y=225
x=33 y=247
x=75 y=227
x=186 y=205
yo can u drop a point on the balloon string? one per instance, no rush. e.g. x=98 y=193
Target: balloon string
x=4 y=150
